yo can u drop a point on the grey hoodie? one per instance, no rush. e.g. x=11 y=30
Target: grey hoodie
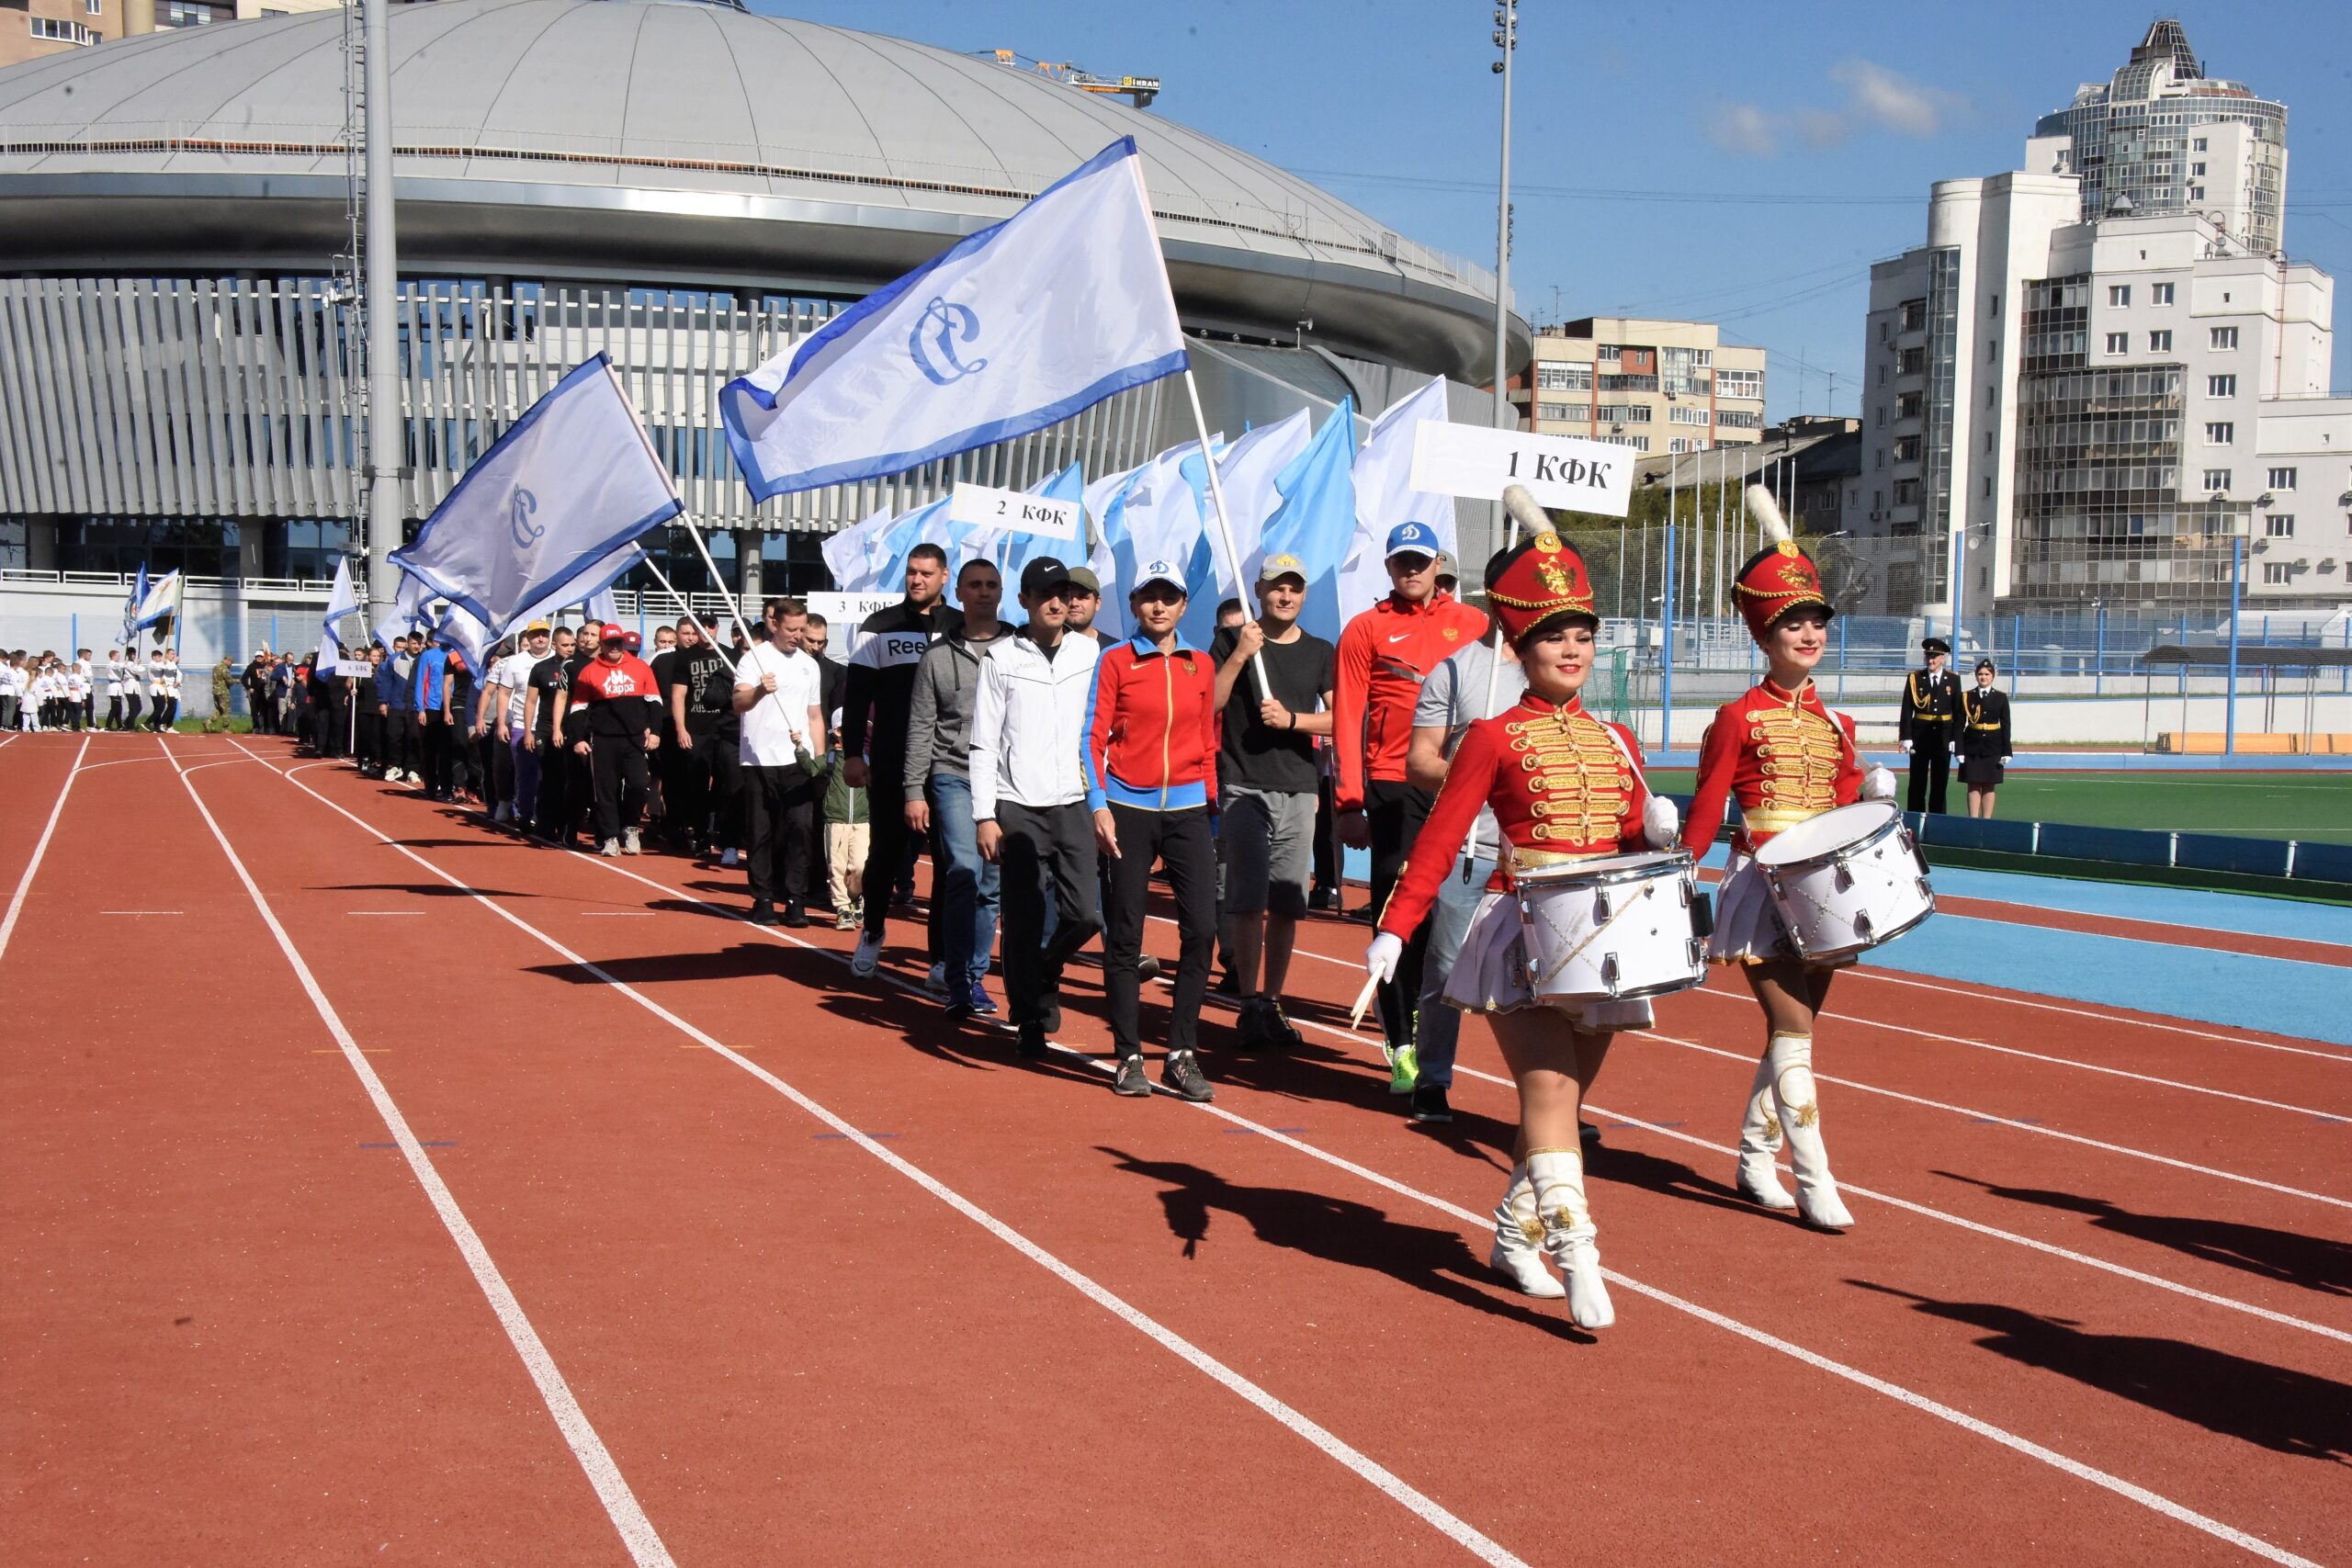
x=939 y=720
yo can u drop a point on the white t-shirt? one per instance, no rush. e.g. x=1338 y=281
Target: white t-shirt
x=513 y=673
x=777 y=723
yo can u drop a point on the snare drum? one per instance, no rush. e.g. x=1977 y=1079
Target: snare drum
x=1846 y=880
x=1618 y=928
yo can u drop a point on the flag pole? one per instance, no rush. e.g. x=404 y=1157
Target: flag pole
x=685 y=607
x=734 y=609
x=1224 y=528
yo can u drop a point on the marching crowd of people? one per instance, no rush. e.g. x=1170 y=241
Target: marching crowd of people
x=1048 y=770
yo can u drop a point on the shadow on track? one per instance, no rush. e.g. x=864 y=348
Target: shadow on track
x=1337 y=1231
x=2284 y=1411
x=2318 y=1263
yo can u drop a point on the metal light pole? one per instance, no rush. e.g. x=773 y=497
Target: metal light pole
x=1507 y=39
x=387 y=422
x=2237 y=578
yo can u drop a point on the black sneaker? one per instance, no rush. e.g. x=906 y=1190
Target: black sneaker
x=1588 y=1135
x=1052 y=1023
x=763 y=913
x=1429 y=1105
x=1228 y=985
x=1147 y=968
x=1129 y=1079
x=1281 y=1034
x=1183 y=1073
x=794 y=914
x=1031 y=1042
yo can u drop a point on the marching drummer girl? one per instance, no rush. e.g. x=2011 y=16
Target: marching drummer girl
x=1786 y=757
x=1564 y=786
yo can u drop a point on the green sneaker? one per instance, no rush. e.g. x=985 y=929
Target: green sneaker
x=1404 y=1067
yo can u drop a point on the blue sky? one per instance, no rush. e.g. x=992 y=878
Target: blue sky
x=1766 y=154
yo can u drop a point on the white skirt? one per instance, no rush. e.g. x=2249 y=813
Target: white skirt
x=1490 y=974
x=1748 y=928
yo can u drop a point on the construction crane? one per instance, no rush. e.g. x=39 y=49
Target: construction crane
x=1140 y=89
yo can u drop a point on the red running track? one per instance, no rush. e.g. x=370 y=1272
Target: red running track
x=1060 y=1326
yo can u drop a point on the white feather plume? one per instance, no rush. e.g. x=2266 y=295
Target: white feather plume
x=1767 y=512
x=1525 y=512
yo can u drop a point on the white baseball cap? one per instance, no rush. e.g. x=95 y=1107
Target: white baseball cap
x=1160 y=572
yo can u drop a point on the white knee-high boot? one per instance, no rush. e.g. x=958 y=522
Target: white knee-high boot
x=1790 y=1057
x=1518 y=1255
x=1759 y=1140
x=1569 y=1234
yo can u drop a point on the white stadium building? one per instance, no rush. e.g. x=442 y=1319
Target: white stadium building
x=685 y=186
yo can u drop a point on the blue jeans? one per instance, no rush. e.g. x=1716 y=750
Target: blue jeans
x=1441 y=1023
x=967 y=884
x=526 y=779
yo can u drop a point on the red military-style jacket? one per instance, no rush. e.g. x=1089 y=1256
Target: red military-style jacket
x=1564 y=784
x=1783 y=755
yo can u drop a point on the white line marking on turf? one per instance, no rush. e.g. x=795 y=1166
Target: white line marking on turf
x=1385 y=1481
x=40 y=848
x=2020 y=1126
x=2055 y=1061
x=1481 y=1223
x=637 y=1532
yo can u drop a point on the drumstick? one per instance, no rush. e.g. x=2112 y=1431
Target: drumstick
x=1364 y=999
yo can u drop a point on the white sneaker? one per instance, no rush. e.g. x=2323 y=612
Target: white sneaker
x=731 y=859
x=611 y=848
x=868 y=954
x=630 y=843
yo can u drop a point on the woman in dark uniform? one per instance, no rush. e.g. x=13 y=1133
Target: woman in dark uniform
x=1984 y=740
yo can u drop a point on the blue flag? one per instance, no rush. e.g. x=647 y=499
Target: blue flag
x=574 y=481
x=1011 y=330
x=1315 y=519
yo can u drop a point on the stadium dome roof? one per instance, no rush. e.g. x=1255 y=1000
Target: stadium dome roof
x=653 y=138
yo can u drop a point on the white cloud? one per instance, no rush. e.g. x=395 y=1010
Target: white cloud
x=1876 y=99
x=1743 y=129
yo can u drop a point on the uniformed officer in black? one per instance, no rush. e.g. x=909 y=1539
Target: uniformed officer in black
x=1929 y=725
x=1984 y=740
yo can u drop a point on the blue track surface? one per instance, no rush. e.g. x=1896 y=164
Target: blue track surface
x=2180 y=906
x=2277 y=996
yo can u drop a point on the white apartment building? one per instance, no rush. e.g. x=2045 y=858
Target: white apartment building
x=1654 y=386
x=2061 y=412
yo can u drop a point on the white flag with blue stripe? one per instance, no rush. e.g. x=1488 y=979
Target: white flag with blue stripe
x=1012 y=329
x=343 y=603
x=570 y=485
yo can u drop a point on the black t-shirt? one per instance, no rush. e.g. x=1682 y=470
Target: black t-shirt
x=549 y=678
x=1277 y=760
x=710 y=692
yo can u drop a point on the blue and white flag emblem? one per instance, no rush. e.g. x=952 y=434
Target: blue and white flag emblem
x=1012 y=329
x=556 y=499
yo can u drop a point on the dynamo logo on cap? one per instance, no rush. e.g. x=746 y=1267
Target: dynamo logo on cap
x=1161 y=571
x=1412 y=539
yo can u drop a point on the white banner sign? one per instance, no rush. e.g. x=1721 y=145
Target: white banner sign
x=844 y=613
x=1564 y=472
x=1013 y=511
x=355 y=669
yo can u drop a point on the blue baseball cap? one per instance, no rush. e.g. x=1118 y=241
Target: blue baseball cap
x=1411 y=540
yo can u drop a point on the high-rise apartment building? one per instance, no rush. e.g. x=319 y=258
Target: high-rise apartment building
x=2162 y=137
x=30 y=28
x=2062 y=410
x=1651 y=385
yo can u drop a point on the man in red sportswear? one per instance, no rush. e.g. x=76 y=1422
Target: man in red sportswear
x=610 y=724
x=1384 y=654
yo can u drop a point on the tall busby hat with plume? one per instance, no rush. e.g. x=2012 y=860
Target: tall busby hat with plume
x=1540 y=580
x=1779 y=577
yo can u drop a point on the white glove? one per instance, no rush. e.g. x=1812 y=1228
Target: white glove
x=2005 y=762
x=1660 y=822
x=1878 y=784
x=1380 y=958
x=1906 y=747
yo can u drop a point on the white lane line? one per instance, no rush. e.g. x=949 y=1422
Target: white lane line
x=389 y=914
x=1455 y=1528
x=2058 y=1061
x=116 y=763
x=1482 y=1224
x=40 y=848
x=1866 y=973
x=142 y=911
x=617 y=913
x=2020 y=1126
x=2102 y=1015
x=621 y=1506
